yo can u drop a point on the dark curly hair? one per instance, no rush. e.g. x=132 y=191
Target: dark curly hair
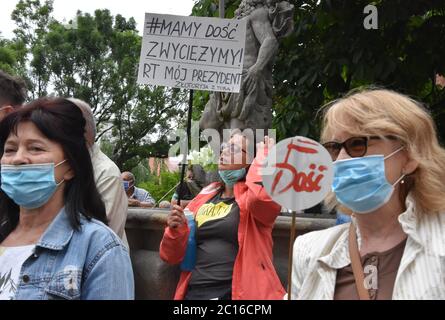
x=12 y=90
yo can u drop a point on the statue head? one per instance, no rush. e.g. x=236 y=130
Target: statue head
x=247 y=6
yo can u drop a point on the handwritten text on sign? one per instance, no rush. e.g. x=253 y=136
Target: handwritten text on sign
x=301 y=173
x=192 y=52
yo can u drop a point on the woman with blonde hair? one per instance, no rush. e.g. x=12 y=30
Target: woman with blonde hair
x=389 y=171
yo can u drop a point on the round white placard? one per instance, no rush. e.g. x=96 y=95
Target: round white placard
x=298 y=173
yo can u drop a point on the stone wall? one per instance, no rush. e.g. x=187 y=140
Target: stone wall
x=157 y=280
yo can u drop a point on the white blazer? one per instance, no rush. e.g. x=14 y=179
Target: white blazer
x=421 y=274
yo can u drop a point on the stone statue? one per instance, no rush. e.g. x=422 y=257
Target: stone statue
x=267 y=22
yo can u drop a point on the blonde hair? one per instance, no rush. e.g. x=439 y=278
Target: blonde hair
x=383 y=113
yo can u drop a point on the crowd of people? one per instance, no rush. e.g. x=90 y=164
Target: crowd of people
x=64 y=203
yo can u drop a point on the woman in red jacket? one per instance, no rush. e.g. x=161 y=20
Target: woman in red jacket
x=234 y=222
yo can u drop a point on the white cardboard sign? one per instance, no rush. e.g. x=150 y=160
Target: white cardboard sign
x=299 y=173
x=192 y=52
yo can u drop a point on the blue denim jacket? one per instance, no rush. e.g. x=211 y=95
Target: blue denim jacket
x=91 y=263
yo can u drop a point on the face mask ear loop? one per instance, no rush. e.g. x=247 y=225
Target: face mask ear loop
x=63 y=180
x=59 y=163
x=390 y=155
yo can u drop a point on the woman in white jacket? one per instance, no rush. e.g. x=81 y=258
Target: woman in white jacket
x=390 y=172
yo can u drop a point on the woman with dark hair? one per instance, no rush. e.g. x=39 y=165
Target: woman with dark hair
x=54 y=243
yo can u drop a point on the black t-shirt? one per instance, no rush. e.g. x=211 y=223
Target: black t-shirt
x=217 y=247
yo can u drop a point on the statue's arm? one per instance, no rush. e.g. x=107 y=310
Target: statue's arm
x=262 y=29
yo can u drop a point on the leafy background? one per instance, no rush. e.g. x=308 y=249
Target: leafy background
x=328 y=54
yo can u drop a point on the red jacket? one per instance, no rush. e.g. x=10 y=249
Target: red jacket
x=254 y=275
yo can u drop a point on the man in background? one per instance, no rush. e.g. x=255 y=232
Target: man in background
x=106 y=175
x=137 y=197
x=12 y=93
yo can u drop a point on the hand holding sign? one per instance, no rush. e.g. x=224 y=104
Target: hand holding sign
x=265 y=146
x=299 y=173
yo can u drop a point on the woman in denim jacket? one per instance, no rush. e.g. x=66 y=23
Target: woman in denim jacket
x=53 y=240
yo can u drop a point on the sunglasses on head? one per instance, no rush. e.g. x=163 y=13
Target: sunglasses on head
x=354 y=146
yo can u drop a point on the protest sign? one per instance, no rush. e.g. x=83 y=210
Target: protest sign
x=192 y=52
x=300 y=173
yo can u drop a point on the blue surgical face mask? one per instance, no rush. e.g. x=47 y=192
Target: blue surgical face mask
x=31 y=185
x=127 y=185
x=360 y=183
x=230 y=177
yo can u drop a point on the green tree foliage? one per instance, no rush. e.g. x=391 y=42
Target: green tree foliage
x=159 y=186
x=95 y=58
x=330 y=52
x=32 y=19
x=8 y=58
x=97 y=62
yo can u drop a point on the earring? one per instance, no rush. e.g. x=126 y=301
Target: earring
x=403 y=180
